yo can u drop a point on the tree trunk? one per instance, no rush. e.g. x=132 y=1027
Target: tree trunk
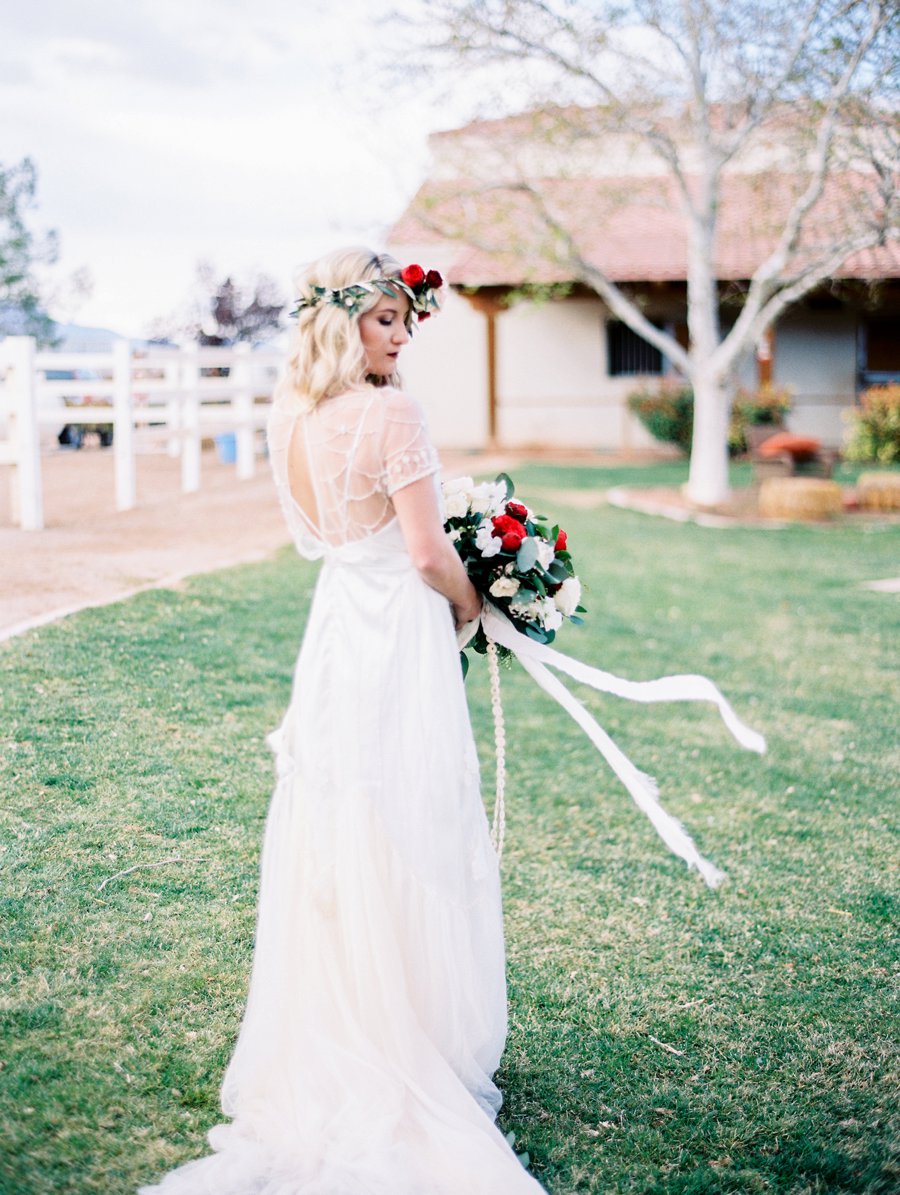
x=708 y=478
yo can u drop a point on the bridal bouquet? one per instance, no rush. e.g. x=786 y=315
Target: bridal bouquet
x=512 y=557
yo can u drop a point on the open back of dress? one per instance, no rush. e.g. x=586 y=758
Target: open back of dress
x=337 y=465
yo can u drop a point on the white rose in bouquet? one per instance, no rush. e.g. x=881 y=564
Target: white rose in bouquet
x=457 y=494
x=505 y=587
x=568 y=596
x=546 y=552
x=549 y=615
x=486 y=542
x=489 y=498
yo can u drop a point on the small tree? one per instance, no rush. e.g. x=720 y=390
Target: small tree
x=806 y=92
x=21 y=251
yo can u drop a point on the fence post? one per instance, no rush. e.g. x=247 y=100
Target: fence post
x=123 y=425
x=27 y=492
x=190 y=421
x=243 y=412
x=173 y=405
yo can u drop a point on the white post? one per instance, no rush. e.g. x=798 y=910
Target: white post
x=171 y=376
x=27 y=493
x=123 y=425
x=242 y=401
x=190 y=421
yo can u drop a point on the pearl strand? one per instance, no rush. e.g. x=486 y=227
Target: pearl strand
x=498 y=830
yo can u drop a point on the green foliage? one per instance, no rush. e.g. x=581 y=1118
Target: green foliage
x=21 y=311
x=135 y=734
x=766 y=406
x=667 y=412
x=875 y=430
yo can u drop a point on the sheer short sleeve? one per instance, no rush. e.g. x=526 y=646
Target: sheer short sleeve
x=408 y=453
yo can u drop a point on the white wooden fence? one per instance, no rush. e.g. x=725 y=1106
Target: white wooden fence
x=182 y=394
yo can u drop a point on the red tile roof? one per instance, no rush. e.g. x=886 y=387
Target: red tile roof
x=631 y=228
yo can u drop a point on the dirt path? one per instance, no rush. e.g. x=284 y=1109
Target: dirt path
x=90 y=554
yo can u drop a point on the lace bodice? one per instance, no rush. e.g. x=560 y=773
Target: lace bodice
x=337 y=465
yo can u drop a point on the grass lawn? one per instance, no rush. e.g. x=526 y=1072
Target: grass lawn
x=663 y=1038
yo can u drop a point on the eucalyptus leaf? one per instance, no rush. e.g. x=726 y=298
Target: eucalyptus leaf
x=535 y=633
x=508 y=482
x=526 y=557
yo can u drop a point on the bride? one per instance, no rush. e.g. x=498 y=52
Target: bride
x=376 y=1014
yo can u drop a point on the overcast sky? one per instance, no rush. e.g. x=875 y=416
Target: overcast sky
x=167 y=131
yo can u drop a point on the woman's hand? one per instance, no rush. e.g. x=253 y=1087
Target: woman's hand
x=468 y=611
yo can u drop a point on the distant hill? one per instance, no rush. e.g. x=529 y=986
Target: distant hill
x=79 y=338
x=76 y=338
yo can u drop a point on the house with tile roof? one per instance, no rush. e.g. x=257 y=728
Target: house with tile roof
x=526 y=356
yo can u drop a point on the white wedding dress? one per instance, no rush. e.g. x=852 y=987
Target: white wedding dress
x=376 y=1015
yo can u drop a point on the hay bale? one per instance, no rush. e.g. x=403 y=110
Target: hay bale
x=799 y=498
x=879 y=491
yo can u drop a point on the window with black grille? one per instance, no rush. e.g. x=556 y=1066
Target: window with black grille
x=628 y=353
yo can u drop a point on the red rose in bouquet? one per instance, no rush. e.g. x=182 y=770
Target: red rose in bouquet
x=517 y=511
x=413 y=276
x=561 y=541
x=509 y=531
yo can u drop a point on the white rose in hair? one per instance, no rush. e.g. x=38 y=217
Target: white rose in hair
x=568 y=596
x=505 y=587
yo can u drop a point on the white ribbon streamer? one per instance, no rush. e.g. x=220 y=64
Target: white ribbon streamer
x=535 y=656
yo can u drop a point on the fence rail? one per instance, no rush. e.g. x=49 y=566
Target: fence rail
x=183 y=394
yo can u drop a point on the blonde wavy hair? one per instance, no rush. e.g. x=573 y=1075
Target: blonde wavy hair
x=326 y=355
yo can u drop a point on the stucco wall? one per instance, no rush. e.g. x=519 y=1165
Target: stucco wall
x=815 y=355
x=553 y=388
x=445 y=367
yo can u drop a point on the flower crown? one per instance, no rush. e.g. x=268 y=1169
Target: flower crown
x=418 y=285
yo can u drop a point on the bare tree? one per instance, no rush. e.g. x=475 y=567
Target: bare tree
x=225 y=310
x=799 y=98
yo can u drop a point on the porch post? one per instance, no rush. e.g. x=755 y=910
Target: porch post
x=765 y=357
x=490 y=302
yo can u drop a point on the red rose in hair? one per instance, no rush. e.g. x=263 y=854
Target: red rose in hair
x=424 y=315
x=561 y=541
x=517 y=510
x=509 y=531
x=433 y=280
x=413 y=276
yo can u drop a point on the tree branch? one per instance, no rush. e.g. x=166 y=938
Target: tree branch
x=616 y=300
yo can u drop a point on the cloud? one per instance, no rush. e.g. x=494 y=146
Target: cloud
x=168 y=131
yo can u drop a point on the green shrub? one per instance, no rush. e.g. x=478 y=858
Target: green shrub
x=667 y=413
x=753 y=408
x=875 y=429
